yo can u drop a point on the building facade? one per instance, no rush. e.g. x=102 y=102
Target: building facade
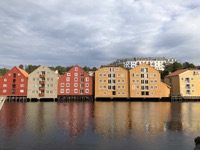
x=14 y=83
x=75 y=82
x=145 y=82
x=184 y=82
x=156 y=62
x=42 y=83
x=111 y=82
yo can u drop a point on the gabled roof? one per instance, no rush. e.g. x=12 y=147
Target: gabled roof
x=176 y=73
x=23 y=72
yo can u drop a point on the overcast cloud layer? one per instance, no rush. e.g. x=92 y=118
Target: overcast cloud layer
x=96 y=32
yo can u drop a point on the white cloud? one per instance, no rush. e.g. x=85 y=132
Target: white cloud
x=94 y=32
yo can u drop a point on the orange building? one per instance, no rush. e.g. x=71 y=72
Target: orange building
x=111 y=82
x=75 y=82
x=14 y=83
x=145 y=82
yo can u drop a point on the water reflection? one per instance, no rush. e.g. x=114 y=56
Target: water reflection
x=41 y=118
x=84 y=125
x=74 y=117
x=12 y=117
x=116 y=118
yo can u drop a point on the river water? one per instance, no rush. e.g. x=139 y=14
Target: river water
x=99 y=125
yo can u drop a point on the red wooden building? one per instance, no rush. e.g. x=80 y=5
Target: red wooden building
x=14 y=83
x=75 y=82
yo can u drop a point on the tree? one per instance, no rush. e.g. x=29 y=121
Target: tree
x=3 y=71
x=21 y=66
x=188 y=65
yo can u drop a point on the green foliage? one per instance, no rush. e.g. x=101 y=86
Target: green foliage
x=3 y=71
x=169 y=68
x=21 y=66
x=30 y=68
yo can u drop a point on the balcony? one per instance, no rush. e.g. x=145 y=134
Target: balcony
x=187 y=87
x=41 y=88
x=187 y=81
x=42 y=75
x=41 y=94
x=41 y=82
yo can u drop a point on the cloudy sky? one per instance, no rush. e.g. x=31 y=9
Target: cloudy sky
x=97 y=32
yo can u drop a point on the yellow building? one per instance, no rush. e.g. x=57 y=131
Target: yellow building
x=111 y=82
x=184 y=82
x=145 y=82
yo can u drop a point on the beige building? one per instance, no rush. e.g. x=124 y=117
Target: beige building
x=111 y=82
x=184 y=82
x=145 y=82
x=42 y=83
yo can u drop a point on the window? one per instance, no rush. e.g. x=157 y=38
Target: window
x=118 y=86
x=67 y=90
x=104 y=93
x=19 y=74
x=118 y=81
x=133 y=75
x=123 y=87
x=109 y=75
x=100 y=81
x=109 y=81
x=68 y=79
x=113 y=93
x=62 y=85
x=33 y=79
x=104 y=87
x=81 y=85
x=47 y=91
x=14 y=75
x=113 y=75
x=33 y=91
x=21 y=85
x=81 y=91
x=100 y=86
x=86 y=90
x=75 y=74
x=111 y=69
x=86 y=84
x=105 y=69
x=109 y=87
x=82 y=79
x=123 y=80
x=4 y=85
x=76 y=79
x=9 y=74
x=100 y=75
x=68 y=74
x=144 y=75
x=61 y=90
x=75 y=84
x=76 y=68
x=67 y=84
x=133 y=86
x=118 y=93
x=51 y=79
x=104 y=81
x=113 y=81
x=4 y=91
x=117 y=69
x=123 y=93
x=75 y=90
x=86 y=79
x=144 y=69
x=22 y=80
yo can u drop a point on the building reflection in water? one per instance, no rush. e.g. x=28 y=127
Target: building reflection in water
x=12 y=117
x=74 y=117
x=190 y=116
x=41 y=118
x=118 y=118
x=111 y=118
x=175 y=117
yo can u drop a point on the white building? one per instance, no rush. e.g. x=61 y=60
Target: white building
x=156 y=62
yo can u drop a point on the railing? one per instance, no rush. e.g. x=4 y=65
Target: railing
x=41 y=82
x=42 y=75
x=41 y=88
x=41 y=94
